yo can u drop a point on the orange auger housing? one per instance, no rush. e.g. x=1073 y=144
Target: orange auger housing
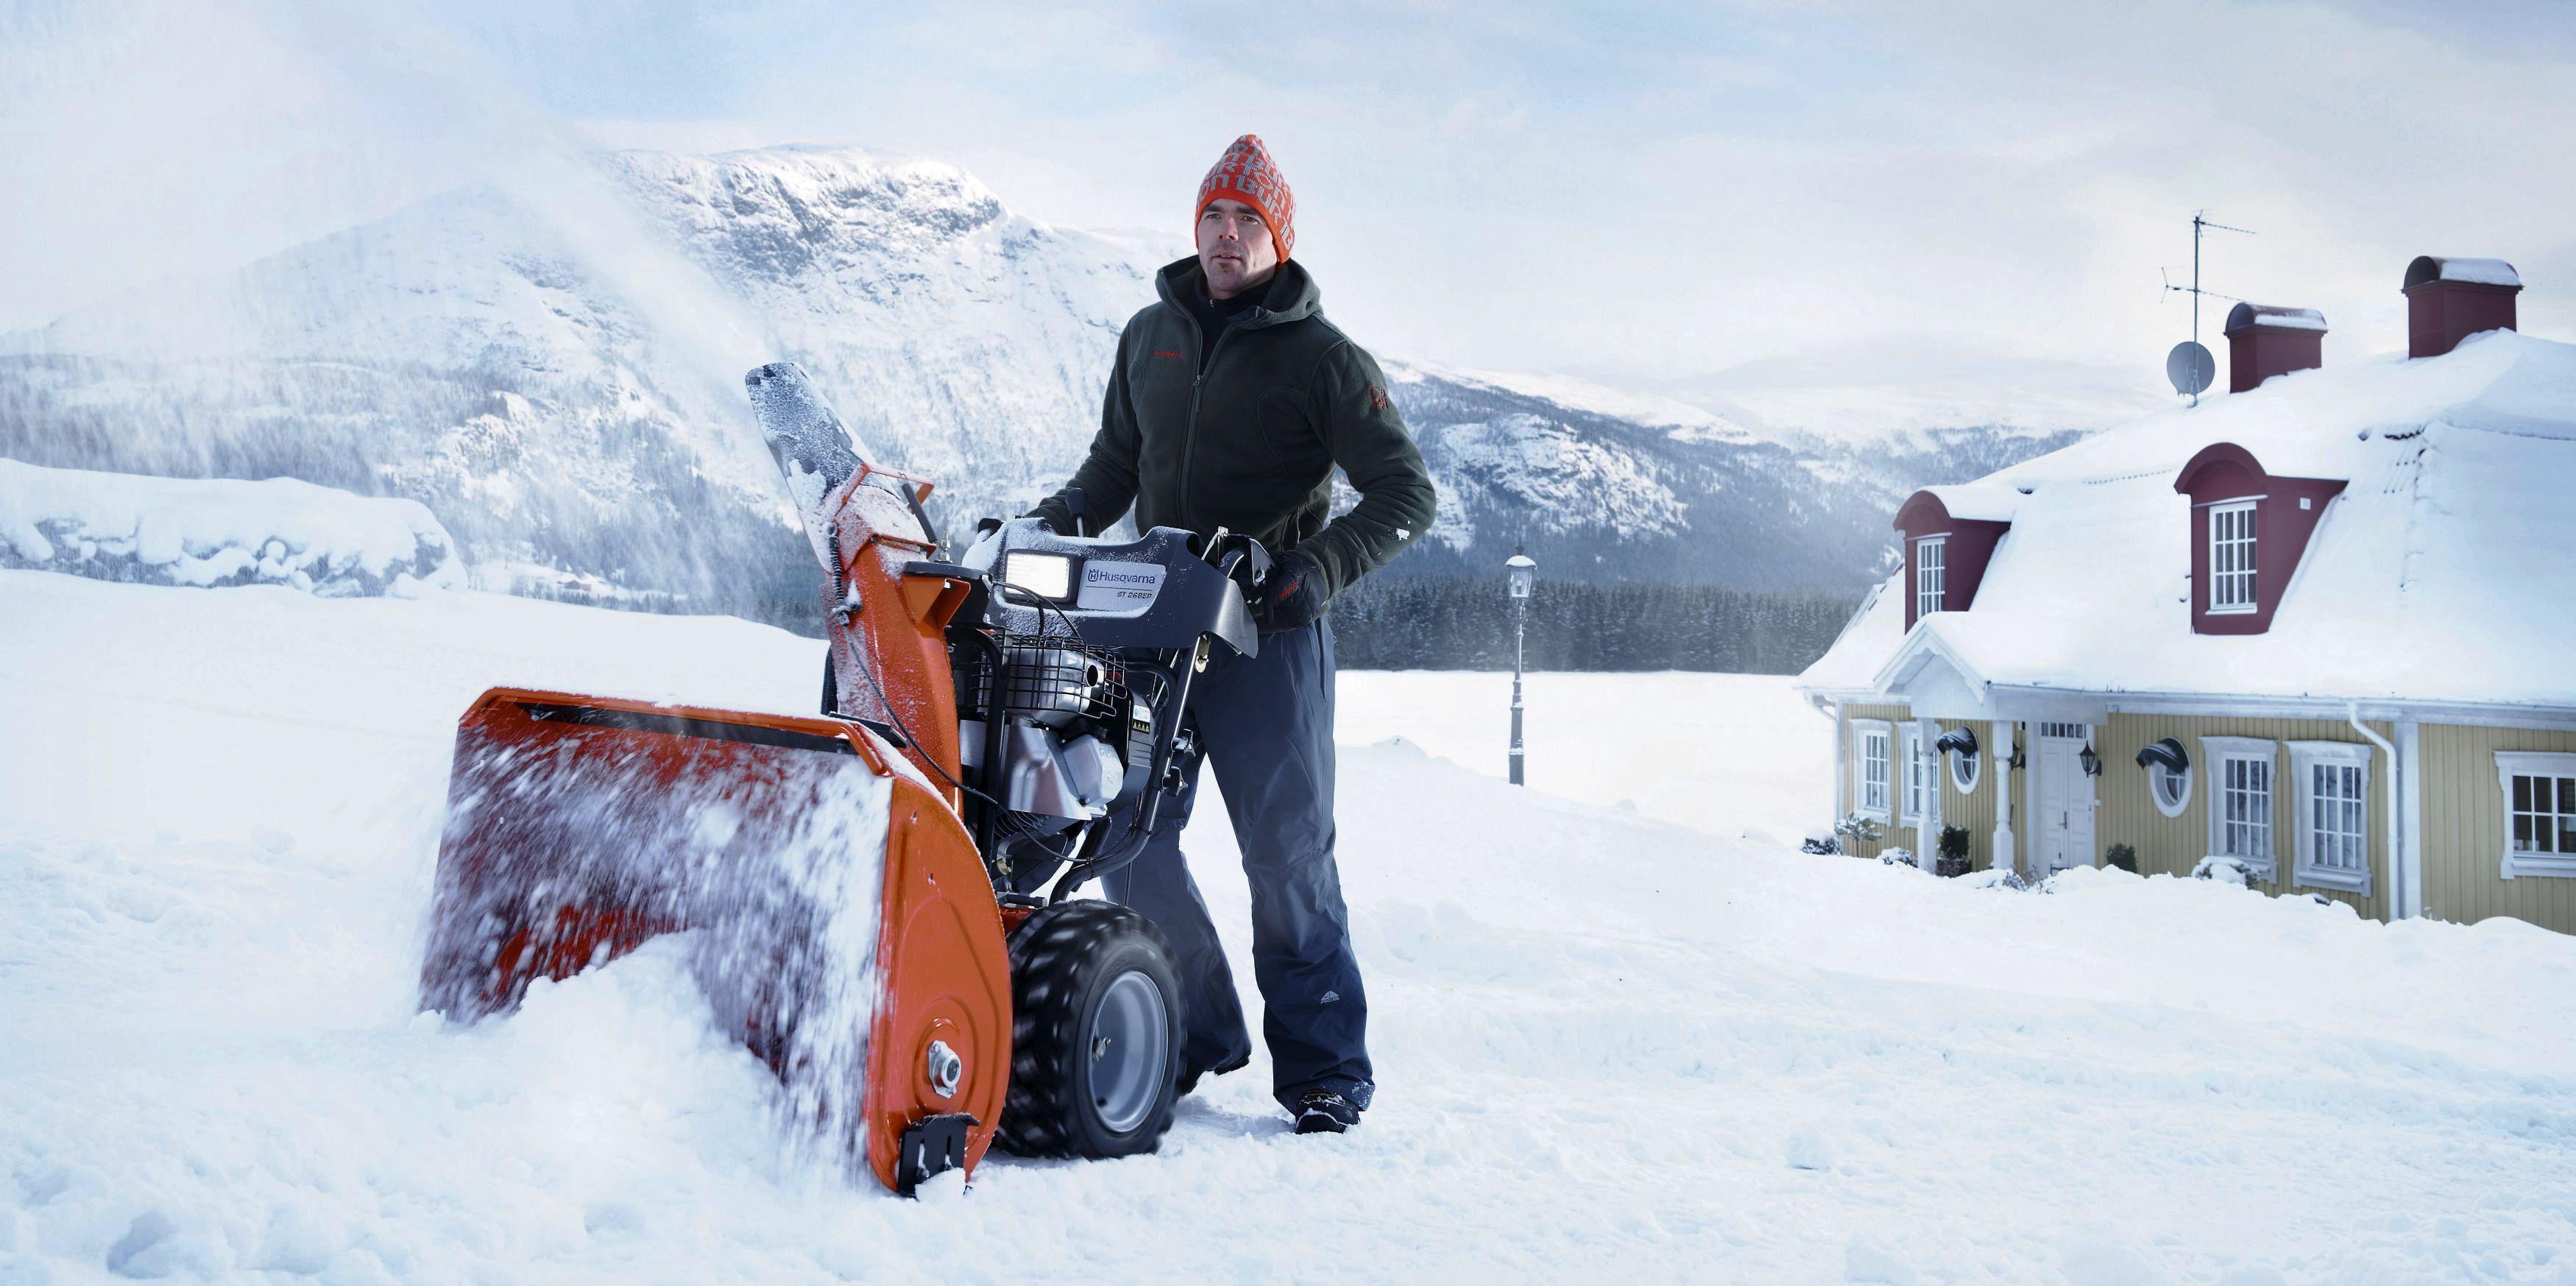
x=844 y=924
x=843 y=918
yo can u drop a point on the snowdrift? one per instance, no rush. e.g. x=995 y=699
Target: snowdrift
x=210 y=532
x=1611 y=1047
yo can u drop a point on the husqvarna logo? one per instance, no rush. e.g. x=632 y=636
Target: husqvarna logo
x=1119 y=587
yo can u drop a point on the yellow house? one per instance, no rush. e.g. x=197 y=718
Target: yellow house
x=2320 y=634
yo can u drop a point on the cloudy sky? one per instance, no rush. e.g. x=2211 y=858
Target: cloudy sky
x=1670 y=196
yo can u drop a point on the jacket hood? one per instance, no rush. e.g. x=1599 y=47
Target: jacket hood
x=1292 y=295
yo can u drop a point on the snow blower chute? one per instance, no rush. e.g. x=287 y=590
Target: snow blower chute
x=878 y=898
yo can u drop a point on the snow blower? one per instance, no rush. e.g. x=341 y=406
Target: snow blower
x=880 y=898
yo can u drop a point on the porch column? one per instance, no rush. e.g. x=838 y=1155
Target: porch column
x=1999 y=742
x=1927 y=834
x=1842 y=769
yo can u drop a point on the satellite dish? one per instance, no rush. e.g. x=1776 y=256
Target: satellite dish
x=2191 y=368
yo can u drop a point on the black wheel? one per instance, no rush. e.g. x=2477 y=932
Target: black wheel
x=1095 y=1034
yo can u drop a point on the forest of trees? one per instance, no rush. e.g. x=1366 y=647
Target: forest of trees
x=1459 y=623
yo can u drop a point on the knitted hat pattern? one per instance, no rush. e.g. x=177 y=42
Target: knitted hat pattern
x=1247 y=174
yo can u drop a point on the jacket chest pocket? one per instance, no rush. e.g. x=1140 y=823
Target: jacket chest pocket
x=1159 y=389
x=1287 y=442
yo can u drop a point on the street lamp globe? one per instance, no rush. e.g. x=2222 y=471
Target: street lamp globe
x=1524 y=572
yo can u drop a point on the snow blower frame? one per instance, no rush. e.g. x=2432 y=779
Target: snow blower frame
x=861 y=888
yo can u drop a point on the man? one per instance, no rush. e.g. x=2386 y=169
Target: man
x=1231 y=404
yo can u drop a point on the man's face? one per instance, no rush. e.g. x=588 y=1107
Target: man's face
x=1235 y=250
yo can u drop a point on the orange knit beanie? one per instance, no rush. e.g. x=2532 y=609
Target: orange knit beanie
x=1247 y=174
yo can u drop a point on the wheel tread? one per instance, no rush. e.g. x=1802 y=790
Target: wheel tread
x=1051 y=946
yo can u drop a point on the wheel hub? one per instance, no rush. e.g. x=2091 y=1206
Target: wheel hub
x=1130 y=1051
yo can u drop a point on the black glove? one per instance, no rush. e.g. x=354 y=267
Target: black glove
x=1293 y=596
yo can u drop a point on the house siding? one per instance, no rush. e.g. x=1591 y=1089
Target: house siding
x=2174 y=845
x=2464 y=830
x=1973 y=809
x=1896 y=837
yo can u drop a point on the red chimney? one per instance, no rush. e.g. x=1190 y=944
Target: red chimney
x=2264 y=341
x=2448 y=300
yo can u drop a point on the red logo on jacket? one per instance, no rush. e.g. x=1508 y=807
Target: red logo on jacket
x=1166 y=352
x=1378 y=398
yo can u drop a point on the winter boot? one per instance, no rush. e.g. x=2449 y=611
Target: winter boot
x=1325 y=1112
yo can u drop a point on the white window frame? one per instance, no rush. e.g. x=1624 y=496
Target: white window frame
x=1863 y=731
x=1931 y=574
x=1913 y=791
x=1964 y=769
x=2222 y=599
x=2158 y=775
x=2216 y=752
x=2533 y=763
x=2305 y=870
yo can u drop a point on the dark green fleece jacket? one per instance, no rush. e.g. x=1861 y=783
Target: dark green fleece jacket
x=1251 y=445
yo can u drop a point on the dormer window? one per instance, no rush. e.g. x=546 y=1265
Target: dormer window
x=2231 y=557
x=2249 y=527
x=1945 y=552
x=1930 y=574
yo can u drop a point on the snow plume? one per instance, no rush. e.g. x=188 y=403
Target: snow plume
x=183 y=135
x=560 y=833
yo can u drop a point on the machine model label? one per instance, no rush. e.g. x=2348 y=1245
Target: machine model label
x=1119 y=587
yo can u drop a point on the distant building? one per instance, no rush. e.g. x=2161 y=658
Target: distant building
x=2324 y=628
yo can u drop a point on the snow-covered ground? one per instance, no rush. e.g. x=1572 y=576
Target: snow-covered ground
x=219 y=531
x=1612 y=1046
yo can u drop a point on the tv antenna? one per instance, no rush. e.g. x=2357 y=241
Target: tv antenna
x=2189 y=365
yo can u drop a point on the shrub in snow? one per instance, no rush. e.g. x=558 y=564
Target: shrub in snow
x=1821 y=843
x=1954 y=853
x=211 y=532
x=1867 y=830
x=1896 y=857
x=1998 y=878
x=2122 y=856
x=2225 y=870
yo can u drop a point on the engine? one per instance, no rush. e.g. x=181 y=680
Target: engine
x=1074 y=661
x=1075 y=741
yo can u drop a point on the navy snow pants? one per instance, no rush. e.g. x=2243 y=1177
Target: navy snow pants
x=1266 y=723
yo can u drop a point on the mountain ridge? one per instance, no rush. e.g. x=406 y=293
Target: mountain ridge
x=555 y=372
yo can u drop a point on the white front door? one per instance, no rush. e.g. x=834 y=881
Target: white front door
x=2062 y=820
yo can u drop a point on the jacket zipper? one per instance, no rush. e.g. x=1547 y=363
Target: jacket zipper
x=1198 y=383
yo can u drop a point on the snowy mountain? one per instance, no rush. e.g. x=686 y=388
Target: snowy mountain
x=1917 y=391
x=553 y=369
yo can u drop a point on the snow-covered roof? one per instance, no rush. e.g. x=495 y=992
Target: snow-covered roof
x=2440 y=573
x=1851 y=665
x=2274 y=316
x=2480 y=272
x=1984 y=500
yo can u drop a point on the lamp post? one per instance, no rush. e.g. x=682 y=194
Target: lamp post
x=1523 y=572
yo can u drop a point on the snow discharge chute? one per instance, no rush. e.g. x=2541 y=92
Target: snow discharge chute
x=879 y=897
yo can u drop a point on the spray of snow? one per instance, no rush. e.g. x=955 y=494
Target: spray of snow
x=774 y=857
